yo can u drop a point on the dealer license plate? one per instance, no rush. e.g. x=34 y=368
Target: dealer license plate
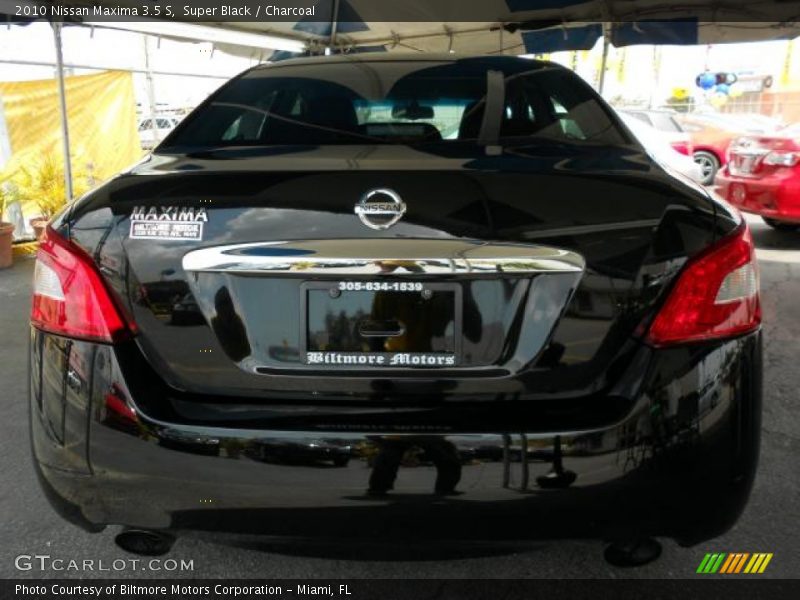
x=381 y=324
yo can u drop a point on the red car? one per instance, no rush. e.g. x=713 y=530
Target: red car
x=710 y=145
x=763 y=177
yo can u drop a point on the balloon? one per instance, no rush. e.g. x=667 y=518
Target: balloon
x=706 y=80
x=718 y=100
x=723 y=88
x=735 y=91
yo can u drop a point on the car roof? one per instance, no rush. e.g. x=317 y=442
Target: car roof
x=381 y=57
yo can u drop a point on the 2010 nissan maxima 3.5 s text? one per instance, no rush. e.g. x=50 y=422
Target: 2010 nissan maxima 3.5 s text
x=391 y=298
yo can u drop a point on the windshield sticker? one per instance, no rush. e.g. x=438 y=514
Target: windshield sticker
x=167 y=223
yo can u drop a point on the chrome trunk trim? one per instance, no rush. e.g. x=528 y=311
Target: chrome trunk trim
x=382 y=256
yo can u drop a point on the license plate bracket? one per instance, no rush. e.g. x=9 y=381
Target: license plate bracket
x=358 y=324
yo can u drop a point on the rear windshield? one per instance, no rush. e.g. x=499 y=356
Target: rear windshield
x=665 y=122
x=399 y=103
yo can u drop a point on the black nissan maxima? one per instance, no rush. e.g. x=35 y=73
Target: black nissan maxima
x=464 y=275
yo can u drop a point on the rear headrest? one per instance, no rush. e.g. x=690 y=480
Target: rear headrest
x=333 y=112
x=471 y=120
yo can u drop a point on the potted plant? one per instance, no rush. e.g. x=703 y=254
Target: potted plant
x=43 y=184
x=6 y=234
x=39 y=224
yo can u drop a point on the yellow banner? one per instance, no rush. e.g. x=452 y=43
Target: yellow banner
x=101 y=112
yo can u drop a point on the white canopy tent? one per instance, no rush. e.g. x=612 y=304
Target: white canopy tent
x=462 y=26
x=495 y=26
x=456 y=26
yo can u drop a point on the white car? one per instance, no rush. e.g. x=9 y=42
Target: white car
x=150 y=137
x=662 y=150
x=666 y=124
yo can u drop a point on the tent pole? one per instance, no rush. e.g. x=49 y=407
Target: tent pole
x=657 y=76
x=151 y=94
x=334 y=22
x=606 y=43
x=62 y=101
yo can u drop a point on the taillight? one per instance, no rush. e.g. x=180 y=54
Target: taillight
x=782 y=159
x=70 y=297
x=683 y=147
x=716 y=295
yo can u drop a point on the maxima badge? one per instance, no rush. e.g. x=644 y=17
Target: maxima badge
x=167 y=223
x=380 y=208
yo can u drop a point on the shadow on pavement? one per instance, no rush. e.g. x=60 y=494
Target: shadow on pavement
x=767 y=238
x=379 y=552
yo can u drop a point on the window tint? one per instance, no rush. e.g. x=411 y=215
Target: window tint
x=399 y=102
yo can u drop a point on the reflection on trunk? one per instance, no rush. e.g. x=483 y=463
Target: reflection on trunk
x=228 y=326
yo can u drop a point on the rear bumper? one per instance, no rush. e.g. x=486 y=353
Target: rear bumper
x=679 y=463
x=776 y=197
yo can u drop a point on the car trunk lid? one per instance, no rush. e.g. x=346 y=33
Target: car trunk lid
x=545 y=267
